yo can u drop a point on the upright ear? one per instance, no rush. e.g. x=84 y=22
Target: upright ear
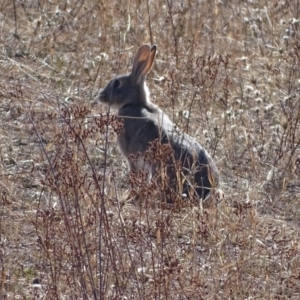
x=143 y=62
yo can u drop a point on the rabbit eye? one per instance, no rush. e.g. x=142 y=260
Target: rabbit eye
x=117 y=83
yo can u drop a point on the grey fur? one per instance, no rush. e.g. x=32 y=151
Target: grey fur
x=144 y=122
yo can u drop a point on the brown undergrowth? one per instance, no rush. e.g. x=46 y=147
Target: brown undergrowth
x=75 y=225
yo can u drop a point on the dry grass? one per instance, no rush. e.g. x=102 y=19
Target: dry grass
x=227 y=72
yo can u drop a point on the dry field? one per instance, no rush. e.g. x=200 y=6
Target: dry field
x=227 y=72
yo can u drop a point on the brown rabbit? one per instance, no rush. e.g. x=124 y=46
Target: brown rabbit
x=144 y=123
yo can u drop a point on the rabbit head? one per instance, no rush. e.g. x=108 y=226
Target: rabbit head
x=130 y=89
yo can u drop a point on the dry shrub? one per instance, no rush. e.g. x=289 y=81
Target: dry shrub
x=226 y=73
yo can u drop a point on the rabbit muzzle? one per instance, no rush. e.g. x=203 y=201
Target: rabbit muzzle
x=102 y=96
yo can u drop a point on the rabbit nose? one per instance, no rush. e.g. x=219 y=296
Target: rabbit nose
x=101 y=94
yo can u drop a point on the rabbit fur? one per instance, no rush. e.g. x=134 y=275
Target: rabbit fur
x=144 y=122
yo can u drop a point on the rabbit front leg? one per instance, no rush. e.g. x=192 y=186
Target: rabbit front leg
x=140 y=171
x=140 y=164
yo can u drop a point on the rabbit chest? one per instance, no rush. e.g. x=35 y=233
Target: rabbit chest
x=140 y=127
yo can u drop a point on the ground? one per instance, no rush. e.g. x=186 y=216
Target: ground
x=227 y=73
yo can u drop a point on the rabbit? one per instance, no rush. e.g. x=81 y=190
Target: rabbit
x=145 y=122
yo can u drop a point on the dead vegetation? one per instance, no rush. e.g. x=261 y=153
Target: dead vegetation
x=227 y=72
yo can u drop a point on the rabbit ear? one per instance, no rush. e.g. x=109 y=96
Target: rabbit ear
x=143 y=62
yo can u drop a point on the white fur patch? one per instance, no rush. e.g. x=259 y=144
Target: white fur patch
x=145 y=166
